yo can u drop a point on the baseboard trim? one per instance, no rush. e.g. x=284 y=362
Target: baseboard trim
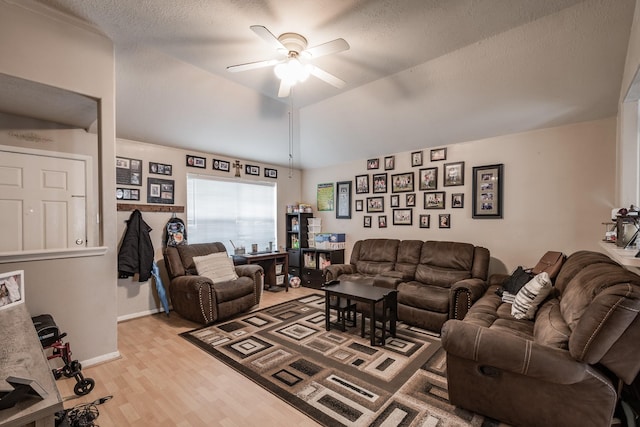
x=101 y=359
x=139 y=314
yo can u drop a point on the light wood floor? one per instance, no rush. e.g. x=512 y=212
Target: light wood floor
x=162 y=380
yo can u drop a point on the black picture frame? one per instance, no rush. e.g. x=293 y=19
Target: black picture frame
x=160 y=168
x=382 y=221
x=444 y=221
x=416 y=158
x=379 y=182
x=453 y=174
x=359 y=205
x=457 y=200
x=128 y=171
x=362 y=184
x=438 y=154
x=425 y=221
x=403 y=216
x=373 y=164
x=488 y=183
x=221 y=165
x=272 y=173
x=410 y=200
x=160 y=191
x=252 y=170
x=375 y=204
x=366 y=221
x=127 y=193
x=428 y=179
x=395 y=201
x=434 y=200
x=402 y=182
x=196 y=162
x=343 y=205
x=389 y=163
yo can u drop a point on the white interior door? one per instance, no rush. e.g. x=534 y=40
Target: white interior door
x=43 y=202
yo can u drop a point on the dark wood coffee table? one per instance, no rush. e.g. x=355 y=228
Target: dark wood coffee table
x=370 y=295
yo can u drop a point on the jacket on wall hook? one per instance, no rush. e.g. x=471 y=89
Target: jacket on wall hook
x=136 y=250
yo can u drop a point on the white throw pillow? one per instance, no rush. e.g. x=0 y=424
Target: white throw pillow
x=216 y=266
x=530 y=296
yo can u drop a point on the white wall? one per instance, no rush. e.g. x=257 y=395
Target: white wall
x=79 y=292
x=558 y=188
x=135 y=298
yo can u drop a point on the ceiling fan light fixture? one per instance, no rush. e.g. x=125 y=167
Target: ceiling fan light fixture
x=293 y=71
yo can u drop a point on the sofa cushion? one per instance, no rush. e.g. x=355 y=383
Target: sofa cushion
x=216 y=266
x=530 y=296
x=375 y=256
x=444 y=263
x=408 y=258
x=423 y=296
x=187 y=252
x=549 y=327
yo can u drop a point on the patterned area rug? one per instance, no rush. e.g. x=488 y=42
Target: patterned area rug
x=336 y=377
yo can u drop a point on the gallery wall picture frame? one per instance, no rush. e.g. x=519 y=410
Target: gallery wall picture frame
x=325 y=197
x=457 y=200
x=343 y=209
x=271 y=173
x=453 y=174
x=379 y=182
x=444 y=221
x=425 y=221
x=438 y=154
x=382 y=221
x=410 y=200
x=11 y=289
x=362 y=184
x=196 y=162
x=359 y=205
x=160 y=191
x=160 y=168
x=428 y=179
x=252 y=170
x=127 y=193
x=403 y=217
x=366 y=221
x=402 y=182
x=373 y=164
x=487 y=196
x=434 y=200
x=416 y=158
x=395 y=201
x=389 y=163
x=375 y=204
x=128 y=171
x=221 y=165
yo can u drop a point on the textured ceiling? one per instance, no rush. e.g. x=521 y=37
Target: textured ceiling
x=419 y=73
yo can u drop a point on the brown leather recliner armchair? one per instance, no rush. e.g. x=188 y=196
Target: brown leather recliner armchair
x=197 y=298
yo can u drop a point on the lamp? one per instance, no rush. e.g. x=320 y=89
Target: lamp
x=292 y=71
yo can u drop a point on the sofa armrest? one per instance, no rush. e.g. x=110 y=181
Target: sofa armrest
x=511 y=353
x=388 y=279
x=256 y=273
x=198 y=287
x=462 y=296
x=334 y=271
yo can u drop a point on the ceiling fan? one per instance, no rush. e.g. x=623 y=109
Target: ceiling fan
x=296 y=66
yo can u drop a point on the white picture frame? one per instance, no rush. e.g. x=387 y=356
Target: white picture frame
x=11 y=289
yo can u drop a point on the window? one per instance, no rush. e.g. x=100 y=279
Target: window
x=220 y=210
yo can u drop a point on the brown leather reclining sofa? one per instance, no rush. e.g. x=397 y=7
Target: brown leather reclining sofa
x=435 y=280
x=197 y=298
x=564 y=367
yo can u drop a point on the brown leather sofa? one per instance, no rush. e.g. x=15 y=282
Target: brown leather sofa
x=197 y=298
x=435 y=280
x=564 y=367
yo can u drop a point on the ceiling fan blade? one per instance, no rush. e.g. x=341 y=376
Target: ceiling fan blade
x=253 y=65
x=326 y=77
x=334 y=46
x=267 y=36
x=285 y=89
